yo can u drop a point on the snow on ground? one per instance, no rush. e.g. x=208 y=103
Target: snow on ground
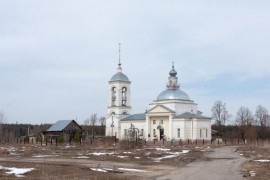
x=120 y=169
x=252 y=173
x=162 y=149
x=81 y=157
x=44 y=156
x=137 y=157
x=132 y=170
x=262 y=160
x=98 y=169
x=122 y=157
x=18 y=172
x=127 y=152
x=185 y=151
x=100 y=153
x=171 y=155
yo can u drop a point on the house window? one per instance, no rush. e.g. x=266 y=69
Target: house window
x=205 y=132
x=200 y=133
x=154 y=121
x=154 y=132
x=178 y=133
x=161 y=121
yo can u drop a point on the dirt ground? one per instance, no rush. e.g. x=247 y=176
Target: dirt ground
x=157 y=162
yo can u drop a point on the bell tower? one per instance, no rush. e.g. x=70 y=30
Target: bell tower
x=119 y=104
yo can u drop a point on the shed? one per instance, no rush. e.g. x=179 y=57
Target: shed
x=65 y=128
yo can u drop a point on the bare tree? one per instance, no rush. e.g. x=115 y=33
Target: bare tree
x=220 y=114
x=2 y=121
x=102 y=121
x=261 y=116
x=245 y=120
x=86 y=122
x=244 y=117
x=93 y=121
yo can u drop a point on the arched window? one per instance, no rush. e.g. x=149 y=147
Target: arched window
x=124 y=96
x=113 y=113
x=113 y=96
x=124 y=113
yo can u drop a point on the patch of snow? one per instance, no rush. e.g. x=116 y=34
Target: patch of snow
x=122 y=157
x=172 y=155
x=241 y=154
x=132 y=170
x=99 y=154
x=44 y=156
x=162 y=149
x=68 y=146
x=137 y=157
x=262 y=160
x=252 y=173
x=127 y=152
x=185 y=151
x=18 y=172
x=98 y=169
x=81 y=157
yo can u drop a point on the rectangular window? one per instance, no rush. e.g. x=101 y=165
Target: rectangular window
x=154 y=132
x=200 y=133
x=141 y=132
x=178 y=132
x=205 y=132
x=161 y=121
x=154 y=121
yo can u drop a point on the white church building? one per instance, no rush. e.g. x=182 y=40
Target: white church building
x=173 y=115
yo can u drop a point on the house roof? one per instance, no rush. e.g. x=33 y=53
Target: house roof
x=60 y=125
x=134 y=117
x=191 y=115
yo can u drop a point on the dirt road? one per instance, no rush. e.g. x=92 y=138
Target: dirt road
x=219 y=164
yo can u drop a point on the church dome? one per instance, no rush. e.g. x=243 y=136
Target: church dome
x=119 y=76
x=173 y=94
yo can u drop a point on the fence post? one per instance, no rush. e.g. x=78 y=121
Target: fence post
x=188 y=141
x=46 y=141
x=196 y=142
x=56 y=141
x=218 y=140
x=238 y=141
x=203 y=141
x=154 y=141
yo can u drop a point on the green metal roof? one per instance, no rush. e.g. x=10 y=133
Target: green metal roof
x=60 y=125
x=134 y=117
x=187 y=115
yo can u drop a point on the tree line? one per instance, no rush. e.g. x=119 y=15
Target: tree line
x=246 y=125
x=93 y=126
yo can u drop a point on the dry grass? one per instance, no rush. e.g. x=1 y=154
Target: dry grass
x=256 y=153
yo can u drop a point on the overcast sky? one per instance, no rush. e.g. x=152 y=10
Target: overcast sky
x=57 y=56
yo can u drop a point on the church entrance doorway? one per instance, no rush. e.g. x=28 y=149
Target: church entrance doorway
x=161 y=133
